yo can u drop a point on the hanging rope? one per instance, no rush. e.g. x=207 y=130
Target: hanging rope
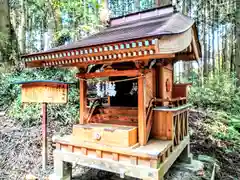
x=116 y=81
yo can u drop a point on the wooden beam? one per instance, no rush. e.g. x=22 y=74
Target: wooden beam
x=195 y=49
x=110 y=73
x=142 y=134
x=132 y=170
x=83 y=100
x=185 y=56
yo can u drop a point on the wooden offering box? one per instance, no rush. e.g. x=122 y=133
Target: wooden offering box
x=108 y=134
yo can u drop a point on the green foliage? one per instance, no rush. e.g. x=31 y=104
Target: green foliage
x=218 y=93
x=231 y=134
x=78 y=18
x=222 y=129
x=221 y=97
x=29 y=114
x=3 y=39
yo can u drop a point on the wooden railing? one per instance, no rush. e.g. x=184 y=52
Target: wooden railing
x=149 y=116
x=170 y=123
x=180 y=126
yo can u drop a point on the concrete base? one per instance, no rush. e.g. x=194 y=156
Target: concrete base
x=186 y=156
x=195 y=166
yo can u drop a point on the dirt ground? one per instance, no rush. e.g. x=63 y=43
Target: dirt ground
x=202 y=142
x=20 y=153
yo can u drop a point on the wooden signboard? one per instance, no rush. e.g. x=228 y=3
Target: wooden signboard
x=44 y=93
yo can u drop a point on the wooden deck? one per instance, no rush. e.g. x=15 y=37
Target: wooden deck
x=153 y=149
x=147 y=162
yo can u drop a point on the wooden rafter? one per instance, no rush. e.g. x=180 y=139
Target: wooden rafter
x=100 y=52
x=71 y=63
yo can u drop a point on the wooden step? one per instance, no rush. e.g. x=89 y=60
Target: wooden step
x=106 y=134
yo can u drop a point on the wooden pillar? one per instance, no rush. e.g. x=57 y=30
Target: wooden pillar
x=83 y=99
x=44 y=136
x=142 y=131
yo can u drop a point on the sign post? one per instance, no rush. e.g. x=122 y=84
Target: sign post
x=44 y=135
x=44 y=92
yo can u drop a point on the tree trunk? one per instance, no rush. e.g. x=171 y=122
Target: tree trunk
x=4 y=30
x=208 y=16
x=213 y=38
x=218 y=37
x=14 y=19
x=56 y=22
x=42 y=30
x=8 y=42
x=233 y=50
x=223 y=48
x=205 y=65
x=22 y=27
x=185 y=12
x=237 y=59
x=137 y=5
x=30 y=33
x=159 y=3
x=187 y=65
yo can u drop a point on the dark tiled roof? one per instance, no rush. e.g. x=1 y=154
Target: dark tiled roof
x=164 y=23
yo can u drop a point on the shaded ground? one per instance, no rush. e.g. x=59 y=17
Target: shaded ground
x=202 y=142
x=20 y=152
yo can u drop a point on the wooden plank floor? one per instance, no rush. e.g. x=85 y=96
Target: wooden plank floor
x=154 y=147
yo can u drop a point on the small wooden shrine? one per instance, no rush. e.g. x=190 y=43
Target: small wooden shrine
x=137 y=125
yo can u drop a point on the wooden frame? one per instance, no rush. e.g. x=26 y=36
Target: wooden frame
x=54 y=93
x=111 y=73
x=141 y=112
x=140 y=163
